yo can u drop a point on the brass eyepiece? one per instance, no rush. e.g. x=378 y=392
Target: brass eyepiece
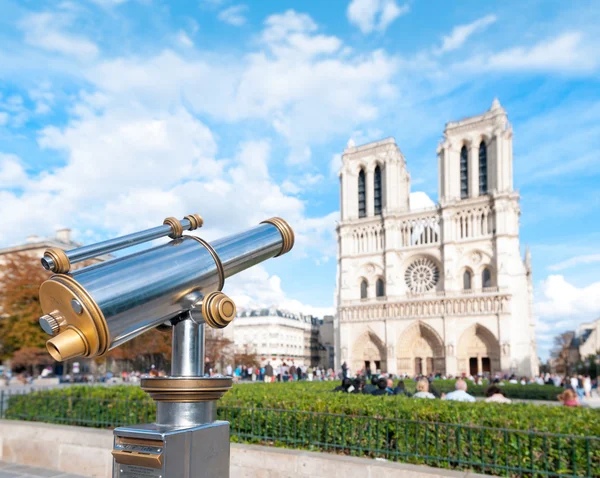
x=218 y=310
x=68 y=344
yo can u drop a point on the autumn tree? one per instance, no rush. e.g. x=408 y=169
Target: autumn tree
x=218 y=350
x=561 y=352
x=151 y=348
x=247 y=357
x=20 y=280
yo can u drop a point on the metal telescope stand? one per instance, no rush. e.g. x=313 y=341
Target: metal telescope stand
x=186 y=441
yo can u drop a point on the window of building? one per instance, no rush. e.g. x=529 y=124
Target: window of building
x=380 y=288
x=464 y=173
x=483 y=187
x=377 y=191
x=486 y=278
x=363 y=289
x=467 y=280
x=362 y=200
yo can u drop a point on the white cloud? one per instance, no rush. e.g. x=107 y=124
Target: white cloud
x=370 y=15
x=234 y=15
x=420 y=200
x=255 y=288
x=184 y=39
x=566 y=52
x=561 y=306
x=313 y=92
x=47 y=31
x=575 y=261
x=461 y=33
x=12 y=173
x=560 y=300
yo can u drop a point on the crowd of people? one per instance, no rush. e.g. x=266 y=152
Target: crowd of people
x=281 y=373
x=576 y=388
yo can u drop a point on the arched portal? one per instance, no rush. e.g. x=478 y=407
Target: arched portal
x=478 y=351
x=420 y=350
x=368 y=352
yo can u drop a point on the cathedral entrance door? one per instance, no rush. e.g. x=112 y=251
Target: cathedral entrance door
x=473 y=366
x=486 y=365
x=368 y=366
x=418 y=366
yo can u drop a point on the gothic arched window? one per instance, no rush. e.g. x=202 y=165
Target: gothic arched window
x=486 y=278
x=483 y=186
x=362 y=203
x=464 y=173
x=467 y=280
x=380 y=288
x=363 y=289
x=377 y=191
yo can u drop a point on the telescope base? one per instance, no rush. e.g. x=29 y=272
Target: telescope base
x=156 y=451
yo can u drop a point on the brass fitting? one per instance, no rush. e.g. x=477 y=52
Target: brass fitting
x=218 y=310
x=287 y=234
x=176 y=227
x=78 y=331
x=61 y=263
x=196 y=221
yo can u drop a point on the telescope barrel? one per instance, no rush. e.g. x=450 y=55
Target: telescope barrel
x=59 y=261
x=97 y=308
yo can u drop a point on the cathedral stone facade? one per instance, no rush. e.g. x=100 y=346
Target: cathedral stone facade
x=440 y=290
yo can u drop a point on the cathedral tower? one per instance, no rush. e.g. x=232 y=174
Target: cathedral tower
x=443 y=289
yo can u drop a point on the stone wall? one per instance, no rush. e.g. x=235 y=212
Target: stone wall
x=86 y=451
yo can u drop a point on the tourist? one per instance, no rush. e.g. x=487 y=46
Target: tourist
x=268 y=373
x=569 y=398
x=587 y=386
x=310 y=374
x=496 y=395
x=423 y=389
x=382 y=387
x=460 y=393
x=401 y=389
x=371 y=387
x=344 y=370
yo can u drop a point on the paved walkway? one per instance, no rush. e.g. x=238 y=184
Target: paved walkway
x=12 y=470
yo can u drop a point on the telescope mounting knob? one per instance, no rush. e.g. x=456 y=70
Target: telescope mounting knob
x=218 y=310
x=49 y=324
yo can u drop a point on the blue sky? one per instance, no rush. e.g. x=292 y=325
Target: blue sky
x=117 y=113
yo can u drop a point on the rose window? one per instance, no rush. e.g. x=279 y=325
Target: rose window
x=422 y=275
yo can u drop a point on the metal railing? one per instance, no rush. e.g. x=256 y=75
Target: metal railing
x=497 y=451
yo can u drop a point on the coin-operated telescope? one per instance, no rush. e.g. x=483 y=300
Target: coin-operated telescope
x=178 y=284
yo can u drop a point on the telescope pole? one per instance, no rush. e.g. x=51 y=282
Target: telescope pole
x=187 y=356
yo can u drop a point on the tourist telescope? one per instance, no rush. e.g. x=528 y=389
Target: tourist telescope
x=92 y=310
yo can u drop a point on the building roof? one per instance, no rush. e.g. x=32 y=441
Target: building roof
x=275 y=312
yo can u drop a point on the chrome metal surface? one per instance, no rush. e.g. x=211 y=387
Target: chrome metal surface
x=195 y=452
x=187 y=358
x=185 y=414
x=49 y=324
x=111 y=245
x=246 y=249
x=142 y=290
x=48 y=263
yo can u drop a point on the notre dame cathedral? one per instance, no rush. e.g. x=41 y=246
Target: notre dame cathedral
x=440 y=290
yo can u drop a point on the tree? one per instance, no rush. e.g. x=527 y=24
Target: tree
x=247 y=357
x=217 y=349
x=20 y=280
x=30 y=358
x=561 y=353
x=153 y=347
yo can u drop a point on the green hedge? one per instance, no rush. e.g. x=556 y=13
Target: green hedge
x=515 y=439
x=116 y=405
